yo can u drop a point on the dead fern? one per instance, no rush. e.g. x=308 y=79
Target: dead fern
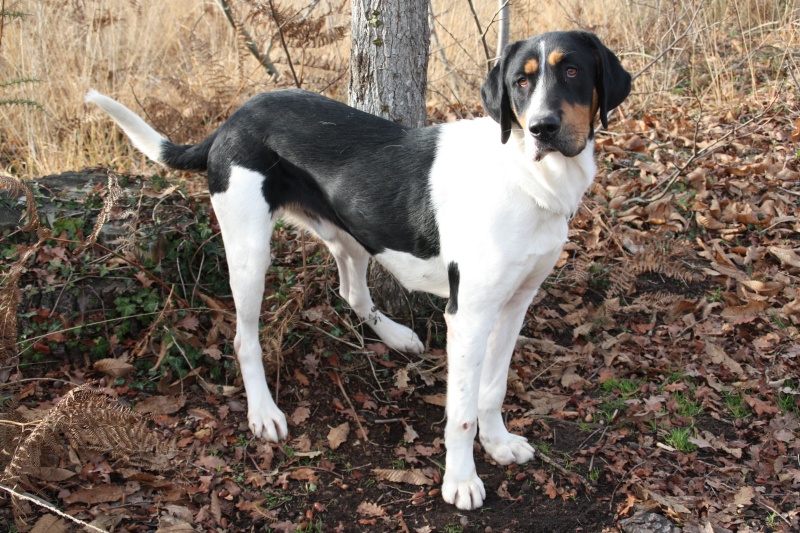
x=113 y=195
x=11 y=426
x=16 y=187
x=662 y=256
x=91 y=421
x=9 y=299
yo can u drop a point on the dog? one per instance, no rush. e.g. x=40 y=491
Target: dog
x=476 y=211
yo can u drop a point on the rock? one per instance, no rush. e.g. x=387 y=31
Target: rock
x=648 y=523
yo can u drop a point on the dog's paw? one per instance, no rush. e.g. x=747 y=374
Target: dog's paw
x=466 y=492
x=398 y=337
x=507 y=448
x=268 y=423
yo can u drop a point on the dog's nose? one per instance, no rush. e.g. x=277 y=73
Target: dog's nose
x=545 y=127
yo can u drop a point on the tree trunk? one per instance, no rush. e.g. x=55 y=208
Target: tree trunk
x=502 y=31
x=389 y=45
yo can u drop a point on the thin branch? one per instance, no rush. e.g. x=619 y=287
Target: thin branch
x=249 y=42
x=352 y=408
x=570 y=474
x=671 y=46
x=502 y=34
x=2 y=20
x=696 y=155
x=283 y=44
x=41 y=503
x=482 y=34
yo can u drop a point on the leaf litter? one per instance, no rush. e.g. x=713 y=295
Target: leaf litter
x=660 y=362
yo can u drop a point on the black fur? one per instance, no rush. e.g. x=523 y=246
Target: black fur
x=367 y=175
x=598 y=66
x=188 y=156
x=613 y=82
x=494 y=94
x=454 y=278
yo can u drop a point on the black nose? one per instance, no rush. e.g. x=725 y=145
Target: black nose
x=545 y=127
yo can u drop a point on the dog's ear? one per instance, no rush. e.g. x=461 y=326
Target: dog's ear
x=494 y=94
x=612 y=81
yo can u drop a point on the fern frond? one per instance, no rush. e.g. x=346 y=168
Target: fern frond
x=113 y=195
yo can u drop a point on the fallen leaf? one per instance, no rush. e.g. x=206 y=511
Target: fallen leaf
x=410 y=435
x=760 y=406
x=550 y=489
x=50 y=474
x=99 y=494
x=435 y=399
x=211 y=462
x=189 y=323
x=719 y=357
x=370 y=509
x=304 y=474
x=50 y=524
x=338 y=435
x=299 y=416
x=161 y=405
x=744 y=497
x=401 y=379
x=412 y=477
x=144 y=279
x=114 y=367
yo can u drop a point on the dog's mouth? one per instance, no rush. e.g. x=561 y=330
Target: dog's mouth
x=540 y=151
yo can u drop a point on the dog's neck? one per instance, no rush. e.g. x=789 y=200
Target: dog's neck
x=556 y=183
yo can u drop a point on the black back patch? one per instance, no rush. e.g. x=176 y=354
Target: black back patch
x=367 y=175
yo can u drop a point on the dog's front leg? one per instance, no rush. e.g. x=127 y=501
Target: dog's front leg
x=467 y=334
x=502 y=446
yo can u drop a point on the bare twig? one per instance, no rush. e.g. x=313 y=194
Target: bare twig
x=352 y=408
x=249 y=42
x=547 y=460
x=283 y=43
x=696 y=155
x=671 y=46
x=481 y=33
x=41 y=503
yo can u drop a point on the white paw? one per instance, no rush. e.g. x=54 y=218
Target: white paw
x=507 y=448
x=268 y=422
x=465 y=492
x=398 y=337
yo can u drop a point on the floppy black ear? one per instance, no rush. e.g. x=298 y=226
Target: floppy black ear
x=612 y=81
x=494 y=95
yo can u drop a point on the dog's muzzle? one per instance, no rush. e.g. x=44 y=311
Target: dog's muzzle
x=544 y=129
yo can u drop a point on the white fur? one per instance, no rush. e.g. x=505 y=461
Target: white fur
x=502 y=218
x=503 y=256
x=145 y=138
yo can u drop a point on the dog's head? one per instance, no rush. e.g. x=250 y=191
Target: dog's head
x=551 y=87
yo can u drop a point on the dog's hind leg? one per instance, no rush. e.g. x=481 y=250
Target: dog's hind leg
x=352 y=261
x=246 y=224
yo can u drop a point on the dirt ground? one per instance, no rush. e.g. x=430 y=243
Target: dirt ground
x=657 y=370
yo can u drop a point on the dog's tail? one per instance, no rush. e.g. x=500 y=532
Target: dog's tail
x=149 y=141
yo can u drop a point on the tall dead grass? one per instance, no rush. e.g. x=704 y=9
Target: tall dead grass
x=181 y=63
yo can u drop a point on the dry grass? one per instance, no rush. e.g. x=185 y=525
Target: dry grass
x=182 y=64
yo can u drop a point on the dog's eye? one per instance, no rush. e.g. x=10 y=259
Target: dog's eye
x=572 y=72
x=522 y=82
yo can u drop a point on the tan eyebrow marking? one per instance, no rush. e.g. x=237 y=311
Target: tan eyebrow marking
x=531 y=66
x=554 y=57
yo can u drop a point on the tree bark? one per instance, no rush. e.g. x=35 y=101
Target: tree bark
x=389 y=46
x=502 y=30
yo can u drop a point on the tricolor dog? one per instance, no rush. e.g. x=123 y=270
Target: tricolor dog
x=475 y=211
